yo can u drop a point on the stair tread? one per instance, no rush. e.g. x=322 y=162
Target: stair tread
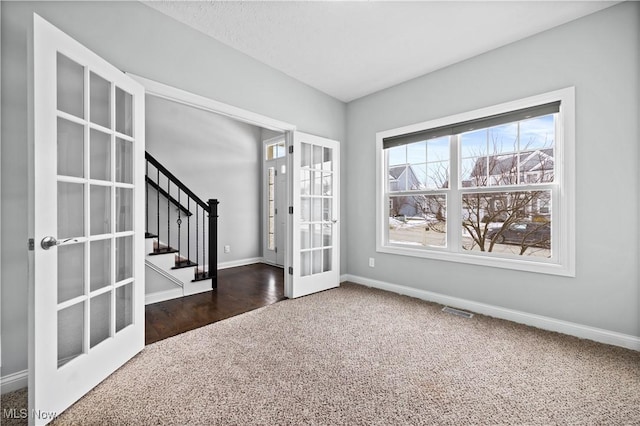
x=162 y=250
x=200 y=275
x=184 y=263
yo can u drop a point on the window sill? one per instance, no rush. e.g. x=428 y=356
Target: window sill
x=541 y=266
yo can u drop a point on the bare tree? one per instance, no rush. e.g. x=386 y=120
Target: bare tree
x=484 y=210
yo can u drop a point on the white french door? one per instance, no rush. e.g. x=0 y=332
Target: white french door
x=314 y=261
x=87 y=292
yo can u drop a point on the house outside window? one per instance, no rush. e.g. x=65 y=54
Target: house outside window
x=491 y=187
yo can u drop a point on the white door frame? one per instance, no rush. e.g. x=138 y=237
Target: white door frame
x=174 y=94
x=201 y=102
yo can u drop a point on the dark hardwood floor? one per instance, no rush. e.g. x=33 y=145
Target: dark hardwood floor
x=240 y=290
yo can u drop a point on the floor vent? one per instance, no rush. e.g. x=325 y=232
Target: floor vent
x=458 y=312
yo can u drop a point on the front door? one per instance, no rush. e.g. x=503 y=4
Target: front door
x=87 y=292
x=275 y=196
x=314 y=263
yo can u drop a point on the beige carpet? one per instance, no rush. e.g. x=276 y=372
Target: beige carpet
x=361 y=356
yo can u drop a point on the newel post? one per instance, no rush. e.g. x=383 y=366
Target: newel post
x=213 y=242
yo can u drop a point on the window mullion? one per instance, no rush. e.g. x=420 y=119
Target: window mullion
x=454 y=201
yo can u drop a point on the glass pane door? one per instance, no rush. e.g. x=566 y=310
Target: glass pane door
x=87 y=288
x=316 y=228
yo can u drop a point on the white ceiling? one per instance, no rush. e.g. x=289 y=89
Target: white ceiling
x=351 y=49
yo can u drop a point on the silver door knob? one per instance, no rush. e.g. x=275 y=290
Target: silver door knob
x=48 y=242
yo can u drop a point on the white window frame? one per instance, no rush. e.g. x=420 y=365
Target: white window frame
x=563 y=223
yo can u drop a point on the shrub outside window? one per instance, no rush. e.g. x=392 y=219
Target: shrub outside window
x=492 y=187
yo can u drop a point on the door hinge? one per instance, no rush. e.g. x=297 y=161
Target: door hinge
x=275 y=211
x=290 y=270
x=275 y=249
x=291 y=149
x=31 y=244
x=290 y=209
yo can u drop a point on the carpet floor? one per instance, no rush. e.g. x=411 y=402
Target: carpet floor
x=360 y=356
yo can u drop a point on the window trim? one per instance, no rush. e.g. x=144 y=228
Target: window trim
x=563 y=225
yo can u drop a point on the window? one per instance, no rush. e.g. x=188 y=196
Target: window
x=492 y=187
x=275 y=150
x=271 y=208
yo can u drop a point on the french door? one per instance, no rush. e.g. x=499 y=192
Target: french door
x=87 y=292
x=314 y=261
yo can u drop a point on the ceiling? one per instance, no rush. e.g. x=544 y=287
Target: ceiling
x=351 y=49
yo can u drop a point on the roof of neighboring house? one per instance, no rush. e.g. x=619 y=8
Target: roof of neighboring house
x=396 y=171
x=500 y=164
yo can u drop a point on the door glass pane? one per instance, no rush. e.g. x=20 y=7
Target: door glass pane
x=100 y=155
x=100 y=264
x=327 y=213
x=70 y=271
x=100 y=318
x=317 y=183
x=70 y=148
x=328 y=159
x=317 y=261
x=327 y=183
x=317 y=157
x=305 y=236
x=305 y=263
x=100 y=209
x=305 y=155
x=124 y=258
x=305 y=182
x=124 y=306
x=327 y=230
x=124 y=209
x=124 y=112
x=316 y=209
x=326 y=260
x=317 y=236
x=70 y=210
x=305 y=209
x=100 y=100
x=124 y=161
x=70 y=333
x=70 y=86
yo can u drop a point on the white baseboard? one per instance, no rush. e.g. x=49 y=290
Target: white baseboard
x=240 y=262
x=539 y=321
x=161 y=296
x=14 y=381
x=270 y=263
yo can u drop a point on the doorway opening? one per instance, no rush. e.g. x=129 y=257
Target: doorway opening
x=218 y=153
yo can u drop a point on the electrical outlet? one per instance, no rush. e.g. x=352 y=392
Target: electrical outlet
x=227 y=249
x=372 y=262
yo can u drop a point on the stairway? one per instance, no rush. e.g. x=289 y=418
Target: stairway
x=169 y=275
x=181 y=239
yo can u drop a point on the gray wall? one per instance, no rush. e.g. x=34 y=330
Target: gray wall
x=140 y=40
x=599 y=56
x=216 y=157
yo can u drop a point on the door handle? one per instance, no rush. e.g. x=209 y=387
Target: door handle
x=48 y=242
